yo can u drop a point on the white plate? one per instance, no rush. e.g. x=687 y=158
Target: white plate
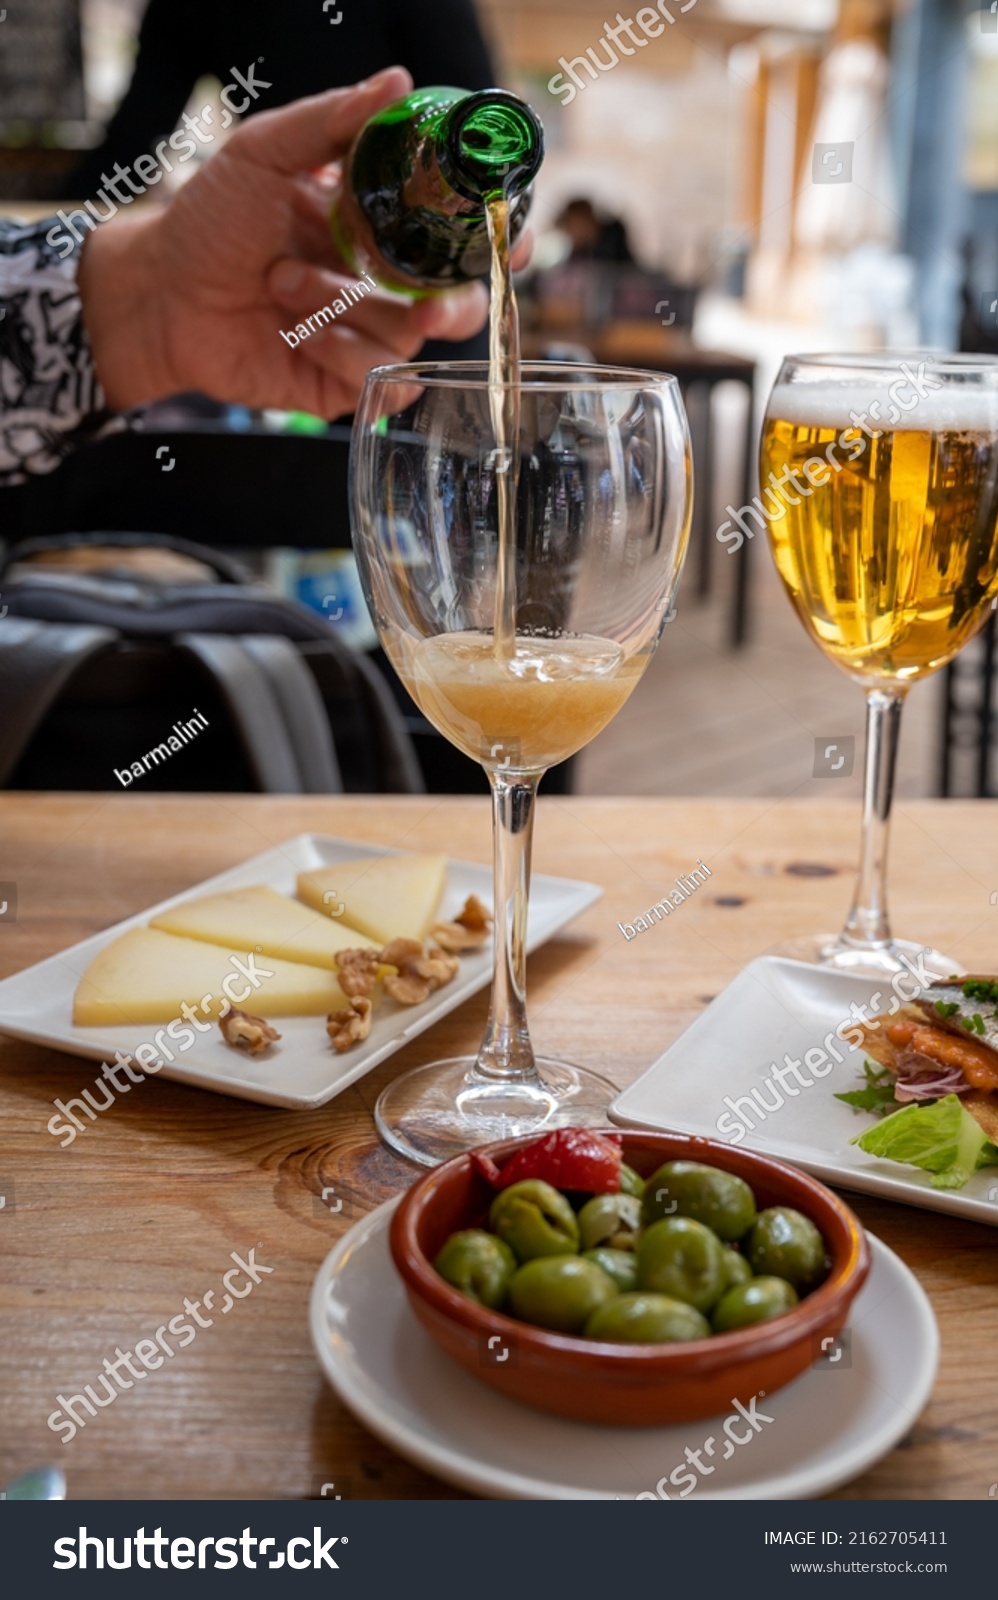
x=303 y=1070
x=827 y=1427
x=774 y=1008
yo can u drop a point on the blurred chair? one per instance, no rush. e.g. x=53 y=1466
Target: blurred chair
x=968 y=768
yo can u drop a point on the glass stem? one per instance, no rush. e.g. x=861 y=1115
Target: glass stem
x=868 y=924
x=506 y=1050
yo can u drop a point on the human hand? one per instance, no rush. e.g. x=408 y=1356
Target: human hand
x=194 y=296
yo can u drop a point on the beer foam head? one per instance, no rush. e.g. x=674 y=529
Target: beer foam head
x=953 y=408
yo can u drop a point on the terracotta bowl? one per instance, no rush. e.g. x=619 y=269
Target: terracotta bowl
x=639 y=1385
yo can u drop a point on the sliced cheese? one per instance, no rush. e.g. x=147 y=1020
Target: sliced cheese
x=388 y=897
x=261 y=919
x=146 y=975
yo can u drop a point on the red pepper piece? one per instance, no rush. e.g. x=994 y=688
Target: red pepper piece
x=568 y=1158
x=486 y=1167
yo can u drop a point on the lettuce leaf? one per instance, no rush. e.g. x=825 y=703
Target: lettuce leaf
x=941 y=1138
x=877 y=1093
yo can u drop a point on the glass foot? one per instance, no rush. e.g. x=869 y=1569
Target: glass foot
x=878 y=961
x=437 y=1111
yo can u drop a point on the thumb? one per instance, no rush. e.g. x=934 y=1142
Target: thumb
x=308 y=133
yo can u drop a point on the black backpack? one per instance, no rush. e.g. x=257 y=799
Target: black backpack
x=124 y=681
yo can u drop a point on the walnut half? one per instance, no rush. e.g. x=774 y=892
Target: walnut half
x=351 y=1026
x=357 y=971
x=418 y=974
x=247 y=1033
x=468 y=931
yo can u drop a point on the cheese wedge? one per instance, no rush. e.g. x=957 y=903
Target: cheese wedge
x=146 y=975
x=263 y=920
x=391 y=897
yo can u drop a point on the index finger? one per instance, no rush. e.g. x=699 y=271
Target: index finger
x=308 y=133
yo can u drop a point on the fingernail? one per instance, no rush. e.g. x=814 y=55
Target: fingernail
x=288 y=277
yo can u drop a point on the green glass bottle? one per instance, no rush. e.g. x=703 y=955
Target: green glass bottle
x=411 y=209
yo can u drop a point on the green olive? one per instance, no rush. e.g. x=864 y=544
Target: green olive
x=755 y=1301
x=736 y=1268
x=718 y=1199
x=534 y=1220
x=559 y=1292
x=646 y=1319
x=631 y=1182
x=681 y=1258
x=784 y=1244
x=612 y=1219
x=620 y=1265
x=478 y=1264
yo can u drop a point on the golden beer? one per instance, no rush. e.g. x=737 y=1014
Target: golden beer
x=890 y=553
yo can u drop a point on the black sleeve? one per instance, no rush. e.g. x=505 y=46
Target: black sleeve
x=442 y=43
x=167 y=67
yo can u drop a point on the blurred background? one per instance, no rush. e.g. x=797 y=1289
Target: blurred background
x=765 y=176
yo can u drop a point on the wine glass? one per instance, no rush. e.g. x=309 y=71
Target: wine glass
x=888 y=547
x=598 y=485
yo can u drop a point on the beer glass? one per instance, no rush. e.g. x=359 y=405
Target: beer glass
x=879 y=484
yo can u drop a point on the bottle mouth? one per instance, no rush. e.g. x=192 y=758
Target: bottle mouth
x=495 y=141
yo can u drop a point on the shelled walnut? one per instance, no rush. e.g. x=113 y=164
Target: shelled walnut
x=419 y=973
x=468 y=931
x=350 y=1026
x=245 y=1032
x=357 y=971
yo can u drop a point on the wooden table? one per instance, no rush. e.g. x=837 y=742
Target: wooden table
x=111 y=1234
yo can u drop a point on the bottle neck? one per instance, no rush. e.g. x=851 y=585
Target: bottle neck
x=492 y=144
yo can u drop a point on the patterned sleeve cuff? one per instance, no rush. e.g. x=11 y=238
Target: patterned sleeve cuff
x=50 y=399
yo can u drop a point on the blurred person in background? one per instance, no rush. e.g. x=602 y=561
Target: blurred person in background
x=594 y=238
x=296 y=48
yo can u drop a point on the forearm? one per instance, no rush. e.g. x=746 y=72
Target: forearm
x=51 y=398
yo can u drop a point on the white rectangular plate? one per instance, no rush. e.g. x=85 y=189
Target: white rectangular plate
x=303 y=1070
x=774 y=1008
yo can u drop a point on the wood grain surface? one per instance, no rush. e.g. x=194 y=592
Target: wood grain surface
x=108 y=1236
